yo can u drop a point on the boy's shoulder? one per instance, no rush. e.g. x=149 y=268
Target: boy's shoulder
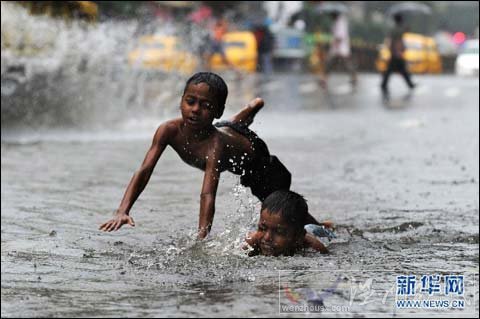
x=168 y=129
x=170 y=126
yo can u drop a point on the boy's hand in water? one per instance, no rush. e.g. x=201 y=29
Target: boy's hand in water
x=202 y=233
x=252 y=239
x=117 y=222
x=328 y=224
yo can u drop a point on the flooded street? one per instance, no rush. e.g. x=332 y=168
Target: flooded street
x=400 y=182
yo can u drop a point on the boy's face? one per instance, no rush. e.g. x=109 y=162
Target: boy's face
x=277 y=235
x=198 y=106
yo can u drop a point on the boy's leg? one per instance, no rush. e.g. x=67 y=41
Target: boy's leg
x=247 y=114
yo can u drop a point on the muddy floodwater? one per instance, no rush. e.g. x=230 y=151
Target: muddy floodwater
x=401 y=183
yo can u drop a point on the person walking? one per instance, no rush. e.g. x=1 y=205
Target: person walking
x=265 y=45
x=339 y=49
x=397 y=61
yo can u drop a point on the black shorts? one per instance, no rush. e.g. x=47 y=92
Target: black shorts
x=271 y=177
x=265 y=174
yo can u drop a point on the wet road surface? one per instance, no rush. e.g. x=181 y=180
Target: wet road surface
x=400 y=181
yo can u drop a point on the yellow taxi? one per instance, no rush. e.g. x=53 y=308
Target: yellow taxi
x=163 y=53
x=240 y=50
x=433 y=57
x=421 y=55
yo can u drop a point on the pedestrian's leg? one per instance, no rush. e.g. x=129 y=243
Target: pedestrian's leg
x=351 y=69
x=331 y=62
x=218 y=48
x=404 y=72
x=263 y=63
x=268 y=67
x=230 y=64
x=205 y=61
x=328 y=67
x=386 y=76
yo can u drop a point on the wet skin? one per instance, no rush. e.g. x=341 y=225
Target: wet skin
x=199 y=144
x=276 y=236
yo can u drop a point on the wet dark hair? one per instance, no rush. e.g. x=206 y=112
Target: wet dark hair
x=291 y=206
x=216 y=86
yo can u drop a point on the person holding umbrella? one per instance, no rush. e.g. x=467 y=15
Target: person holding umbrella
x=395 y=42
x=397 y=61
x=340 y=46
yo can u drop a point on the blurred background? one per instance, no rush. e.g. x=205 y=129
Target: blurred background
x=62 y=60
x=85 y=84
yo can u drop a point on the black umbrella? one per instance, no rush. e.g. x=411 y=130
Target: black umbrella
x=409 y=7
x=329 y=7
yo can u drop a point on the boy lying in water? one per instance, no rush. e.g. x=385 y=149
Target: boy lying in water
x=282 y=227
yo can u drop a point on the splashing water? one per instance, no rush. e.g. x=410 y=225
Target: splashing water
x=218 y=258
x=55 y=194
x=58 y=74
x=62 y=74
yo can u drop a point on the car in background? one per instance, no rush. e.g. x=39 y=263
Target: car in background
x=290 y=48
x=163 y=53
x=240 y=50
x=421 y=55
x=434 y=61
x=467 y=60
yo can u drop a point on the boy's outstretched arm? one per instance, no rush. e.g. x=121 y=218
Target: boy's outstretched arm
x=247 y=114
x=139 y=180
x=208 y=195
x=311 y=241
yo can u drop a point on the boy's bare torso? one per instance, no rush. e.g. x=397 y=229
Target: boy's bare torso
x=231 y=149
